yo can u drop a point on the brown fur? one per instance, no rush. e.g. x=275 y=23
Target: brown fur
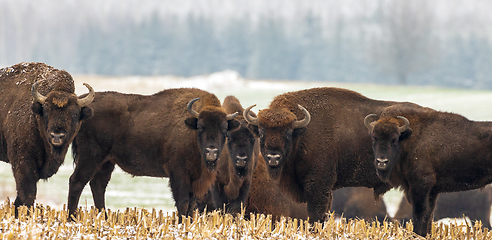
x=359 y=202
x=440 y=152
x=330 y=153
x=150 y=136
x=274 y=118
x=233 y=182
x=266 y=198
x=474 y=204
x=25 y=126
x=202 y=185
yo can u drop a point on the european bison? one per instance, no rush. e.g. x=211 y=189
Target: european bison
x=474 y=204
x=176 y=133
x=236 y=164
x=426 y=152
x=39 y=117
x=358 y=202
x=265 y=197
x=322 y=151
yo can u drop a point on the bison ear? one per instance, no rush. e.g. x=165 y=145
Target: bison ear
x=86 y=113
x=254 y=130
x=233 y=125
x=37 y=108
x=192 y=123
x=406 y=134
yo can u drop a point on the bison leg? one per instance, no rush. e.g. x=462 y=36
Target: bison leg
x=25 y=183
x=319 y=195
x=480 y=213
x=99 y=183
x=318 y=205
x=181 y=190
x=26 y=190
x=218 y=195
x=192 y=204
x=241 y=201
x=82 y=174
x=423 y=204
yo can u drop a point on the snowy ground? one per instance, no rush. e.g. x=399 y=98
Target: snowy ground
x=127 y=191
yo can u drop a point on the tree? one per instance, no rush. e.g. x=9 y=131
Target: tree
x=405 y=44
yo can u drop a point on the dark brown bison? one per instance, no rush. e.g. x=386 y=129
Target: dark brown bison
x=312 y=143
x=236 y=164
x=474 y=204
x=426 y=152
x=358 y=202
x=39 y=117
x=176 y=133
x=265 y=197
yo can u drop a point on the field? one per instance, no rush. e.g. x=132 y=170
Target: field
x=125 y=191
x=44 y=222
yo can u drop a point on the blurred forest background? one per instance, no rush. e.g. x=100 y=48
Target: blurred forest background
x=416 y=42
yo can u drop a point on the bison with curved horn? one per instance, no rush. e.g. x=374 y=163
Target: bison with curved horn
x=242 y=177
x=236 y=164
x=176 y=133
x=39 y=117
x=427 y=152
x=312 y=144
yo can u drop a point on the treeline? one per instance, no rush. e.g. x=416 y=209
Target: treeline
x=378 y=47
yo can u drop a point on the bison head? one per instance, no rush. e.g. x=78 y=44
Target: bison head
x=60 y=115
x=241 y=144
x=386 y=134
x=212 y=124
x=278 y=130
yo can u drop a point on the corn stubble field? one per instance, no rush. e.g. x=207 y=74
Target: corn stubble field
x=44 y=222
x=142 y=207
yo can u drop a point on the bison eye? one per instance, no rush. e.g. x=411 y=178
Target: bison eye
x=200 y=129
x=288 y=134
x=394 y=142
x=261 y=132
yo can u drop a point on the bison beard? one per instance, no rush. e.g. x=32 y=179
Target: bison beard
x=41 y=116
x=266 y=198
x=176 y=133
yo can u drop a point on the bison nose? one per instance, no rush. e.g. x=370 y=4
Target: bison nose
x=57 y=138
x=273 y=159
x=211 y=154
x=382 y=163
x=241 y=161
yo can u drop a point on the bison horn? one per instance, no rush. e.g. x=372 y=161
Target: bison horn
x=88 y=99
x=38 y=97
x=406 y=126
x=190 y=110
x=368 y=121
x=251 y=120
x=232 y=115
x=304 y=122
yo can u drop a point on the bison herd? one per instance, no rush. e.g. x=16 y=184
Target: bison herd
x=309 y=152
